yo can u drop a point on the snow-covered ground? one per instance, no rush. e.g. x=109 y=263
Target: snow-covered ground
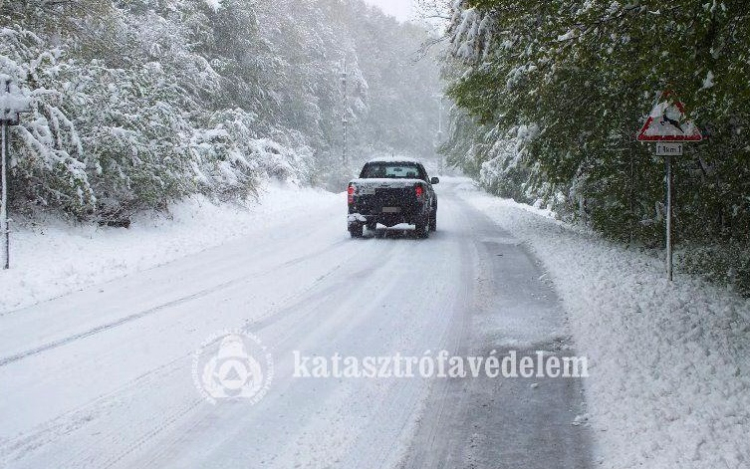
x=670 y=373
x=53 y=258
x=103 y=375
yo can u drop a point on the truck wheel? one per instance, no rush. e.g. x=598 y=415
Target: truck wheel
x=422 y=229
x=433 y=222
x=372 y=226
x=356 y=230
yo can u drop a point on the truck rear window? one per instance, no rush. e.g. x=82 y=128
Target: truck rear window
x=391 y=171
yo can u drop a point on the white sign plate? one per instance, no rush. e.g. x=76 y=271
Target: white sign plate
x=668 y=149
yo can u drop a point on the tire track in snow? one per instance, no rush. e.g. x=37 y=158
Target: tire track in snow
x=173 y=411
x=134 y=317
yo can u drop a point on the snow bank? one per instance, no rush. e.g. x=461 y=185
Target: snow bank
x=670 y=373
x=55 y=259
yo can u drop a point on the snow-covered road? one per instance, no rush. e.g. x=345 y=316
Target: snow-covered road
x=103 y=377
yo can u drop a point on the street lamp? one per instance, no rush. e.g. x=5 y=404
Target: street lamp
x=12 y=104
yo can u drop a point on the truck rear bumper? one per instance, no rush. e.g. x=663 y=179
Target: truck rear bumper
x=411 y=217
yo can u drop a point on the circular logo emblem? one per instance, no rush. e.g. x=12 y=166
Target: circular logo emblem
x=232 y=365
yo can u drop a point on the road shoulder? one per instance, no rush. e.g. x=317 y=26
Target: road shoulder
x=506 y=421
x=670 y=379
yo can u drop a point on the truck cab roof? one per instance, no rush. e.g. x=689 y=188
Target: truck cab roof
x=394 y=159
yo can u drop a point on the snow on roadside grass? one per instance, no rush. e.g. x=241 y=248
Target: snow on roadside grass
x=669 y=363
x=59 y=258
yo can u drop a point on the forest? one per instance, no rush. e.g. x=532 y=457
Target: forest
x=136 y=104
x=549 y=96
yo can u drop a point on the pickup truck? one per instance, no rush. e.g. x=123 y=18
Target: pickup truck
x=392 y=191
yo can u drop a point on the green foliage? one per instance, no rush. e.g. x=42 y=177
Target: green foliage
x=587 y=73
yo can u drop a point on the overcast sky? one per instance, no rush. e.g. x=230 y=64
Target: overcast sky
x=401 y=9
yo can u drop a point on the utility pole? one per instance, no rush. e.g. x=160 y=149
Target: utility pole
x=345 y=116
x=440 y=133
x=4 y=231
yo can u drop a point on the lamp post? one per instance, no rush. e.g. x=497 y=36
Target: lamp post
x=12 y=104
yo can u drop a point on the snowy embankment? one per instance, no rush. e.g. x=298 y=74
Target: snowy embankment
x=669 y=363
x=55 y=258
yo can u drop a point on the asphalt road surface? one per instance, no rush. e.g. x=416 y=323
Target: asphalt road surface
x=105 y=378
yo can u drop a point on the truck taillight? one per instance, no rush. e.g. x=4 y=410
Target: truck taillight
x=419 y=190
x=351 y=192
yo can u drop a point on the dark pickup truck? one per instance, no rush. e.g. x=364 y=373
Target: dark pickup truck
x=392 y=191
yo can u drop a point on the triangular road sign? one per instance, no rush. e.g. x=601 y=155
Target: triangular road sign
x=668 y=123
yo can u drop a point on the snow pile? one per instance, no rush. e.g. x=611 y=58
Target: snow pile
x=214 y=4
x=472 y=33
x=670 y=375
x=54 y=258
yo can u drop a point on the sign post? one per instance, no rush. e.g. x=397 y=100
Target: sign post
x=12 y=104
x=668 y=161
x=668 y=126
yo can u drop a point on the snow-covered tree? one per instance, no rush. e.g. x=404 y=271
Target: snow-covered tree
x=586 y=74
x=139 y=103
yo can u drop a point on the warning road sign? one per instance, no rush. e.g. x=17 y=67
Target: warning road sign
x=668 y=126
x=668 y=123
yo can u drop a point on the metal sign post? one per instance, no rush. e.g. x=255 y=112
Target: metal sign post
x=668 y=126
x=668 y=160
x=667 y=150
